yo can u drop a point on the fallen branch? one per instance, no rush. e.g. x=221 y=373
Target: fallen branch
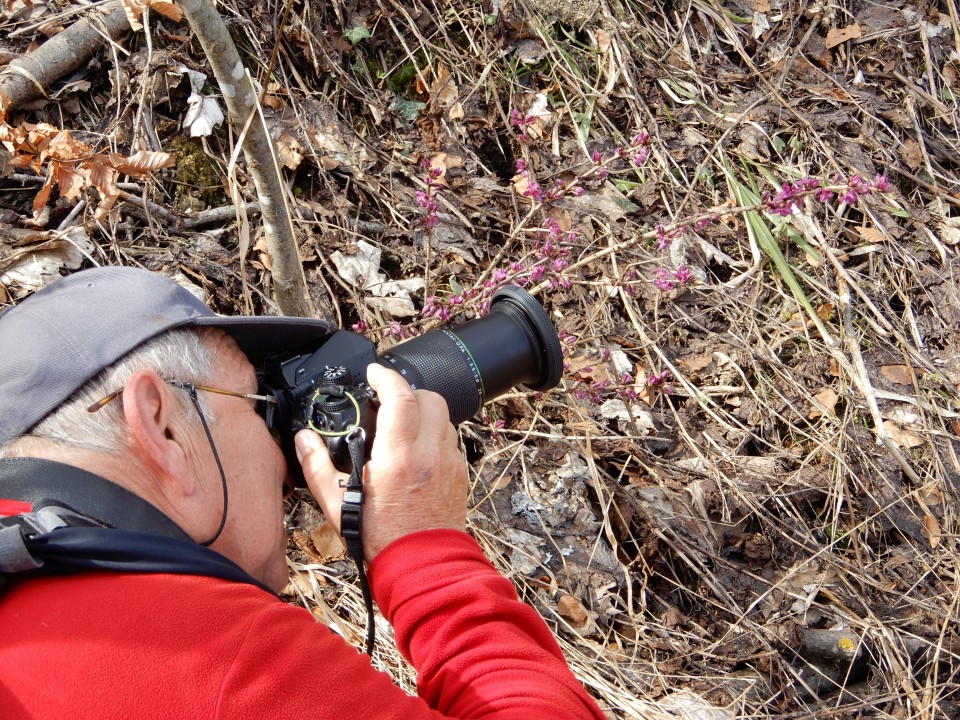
x=174 y=221
x=32 y=75
x=28 y=77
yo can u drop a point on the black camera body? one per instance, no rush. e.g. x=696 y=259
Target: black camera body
x=325 y=389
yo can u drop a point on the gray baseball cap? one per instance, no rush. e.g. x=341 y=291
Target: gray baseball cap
x=65 y=334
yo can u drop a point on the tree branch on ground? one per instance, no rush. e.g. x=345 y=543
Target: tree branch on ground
x=32 y=75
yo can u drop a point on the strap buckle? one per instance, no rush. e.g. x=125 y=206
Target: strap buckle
x=16 y=531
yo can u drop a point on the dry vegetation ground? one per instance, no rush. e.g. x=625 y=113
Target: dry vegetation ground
x=777 y=536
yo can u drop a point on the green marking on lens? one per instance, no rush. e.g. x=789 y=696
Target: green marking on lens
x=473 y=364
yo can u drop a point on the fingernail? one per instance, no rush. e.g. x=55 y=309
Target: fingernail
x=301 y=442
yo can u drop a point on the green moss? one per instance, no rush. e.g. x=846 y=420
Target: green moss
x=197 y=177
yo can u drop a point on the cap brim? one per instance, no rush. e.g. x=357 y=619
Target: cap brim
x=260 y=336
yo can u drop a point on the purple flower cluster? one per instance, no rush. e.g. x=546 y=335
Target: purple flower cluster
x=666 y=237
x=549 y=258
x=538 y=194
x=591 y=390
x=640 y=148
x=792 y=194
x=857 y=187
x=401 y=332
x=522 y=121
x=426 y=199
x=665 y=280
x=658 y=382
x=441 y=309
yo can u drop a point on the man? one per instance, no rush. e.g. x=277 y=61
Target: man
x=130 y=443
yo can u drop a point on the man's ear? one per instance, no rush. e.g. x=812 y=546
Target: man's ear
x=157 y=430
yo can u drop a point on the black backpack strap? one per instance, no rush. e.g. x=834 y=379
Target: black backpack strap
x=86 y=548
x=69 y=549
x=43 y=483
x=17 y=530
x=82 y=522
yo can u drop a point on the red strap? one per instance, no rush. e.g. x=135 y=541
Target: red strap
x=13 y=507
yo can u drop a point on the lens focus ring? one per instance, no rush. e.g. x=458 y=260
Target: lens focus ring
x=438 y=361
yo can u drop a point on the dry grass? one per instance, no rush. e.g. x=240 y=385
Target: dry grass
x=778 y=535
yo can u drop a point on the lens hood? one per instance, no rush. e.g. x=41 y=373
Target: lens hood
x=536 y=323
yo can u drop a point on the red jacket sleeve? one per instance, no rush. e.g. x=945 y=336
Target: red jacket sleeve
x=479 y=652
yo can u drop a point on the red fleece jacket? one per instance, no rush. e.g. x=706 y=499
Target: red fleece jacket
x=105 y=645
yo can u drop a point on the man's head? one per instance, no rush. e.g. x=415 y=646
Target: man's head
x=100 y=331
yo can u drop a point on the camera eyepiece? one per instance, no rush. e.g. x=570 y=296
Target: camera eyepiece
x=468 y=365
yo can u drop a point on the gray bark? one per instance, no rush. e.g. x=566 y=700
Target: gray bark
x=30 y=76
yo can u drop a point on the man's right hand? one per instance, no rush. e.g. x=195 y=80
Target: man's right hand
x=416 y=478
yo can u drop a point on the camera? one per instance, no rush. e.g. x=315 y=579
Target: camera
x=468 y=365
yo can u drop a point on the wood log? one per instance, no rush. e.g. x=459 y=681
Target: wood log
x=32 y=75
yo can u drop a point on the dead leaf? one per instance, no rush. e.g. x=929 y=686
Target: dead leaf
x=827 y=401
x=440 y=163
x=443 y=90
x=264 y=253
x=761 y=6
x=596 y=370
x=561 y=217
x=41 y=256
x=931 y=529
x=901 y=437
x=142 y=163
x=603 y=41
x=43 y=196
x=290 y=150
x=572 y=609
x=327 y=542
x=911 y=153
x=801 y=319
x=166 y=8
x=950 y=74
x=871 y=235
x=673 y=617
x=50 y=28
x=838 y=36
x=899 y=374
x=273 y=98
x=694 y=363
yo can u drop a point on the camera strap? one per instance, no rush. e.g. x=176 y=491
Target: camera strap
x=351 y=522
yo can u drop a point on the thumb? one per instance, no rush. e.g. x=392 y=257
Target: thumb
x=321 y=476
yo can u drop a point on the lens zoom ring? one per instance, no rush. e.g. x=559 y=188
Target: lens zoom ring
x=437 y=361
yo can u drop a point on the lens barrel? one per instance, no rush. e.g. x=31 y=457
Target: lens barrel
x=515 y=344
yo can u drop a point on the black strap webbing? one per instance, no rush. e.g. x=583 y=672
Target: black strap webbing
x=351 y=526
x=107 y=528
x=73 y=549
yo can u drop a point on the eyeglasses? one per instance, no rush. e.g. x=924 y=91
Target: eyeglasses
x=264 y=407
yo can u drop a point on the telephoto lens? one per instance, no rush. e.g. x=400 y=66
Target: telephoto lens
x=468 y=365
x=515 y=344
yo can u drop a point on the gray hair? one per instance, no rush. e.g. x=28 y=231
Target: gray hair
x=177 y=354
